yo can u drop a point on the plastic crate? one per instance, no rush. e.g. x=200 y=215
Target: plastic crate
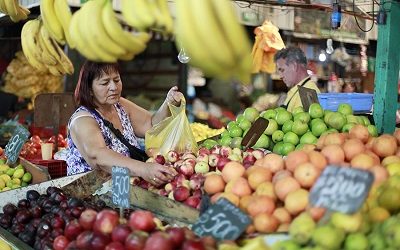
x=56 y=168
x=361 y=103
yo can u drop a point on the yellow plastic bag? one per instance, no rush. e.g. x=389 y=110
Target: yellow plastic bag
x=172 y=133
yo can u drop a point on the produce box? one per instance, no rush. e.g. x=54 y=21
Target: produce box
x=56 y=168
x=39 y=174
x=361 y=103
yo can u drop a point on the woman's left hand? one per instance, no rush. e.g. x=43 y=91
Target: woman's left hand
x=174 y=97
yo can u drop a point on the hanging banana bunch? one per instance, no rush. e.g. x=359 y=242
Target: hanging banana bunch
x=12 y=8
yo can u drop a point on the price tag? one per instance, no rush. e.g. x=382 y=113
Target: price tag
x=120 y=186
x=223 y=221
x=14 y=145
x=341 y=189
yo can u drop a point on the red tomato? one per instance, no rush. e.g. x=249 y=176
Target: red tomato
x=62 y=143
x=1 y=151
x=52 y=139
x=35 y=138
x=60 y=137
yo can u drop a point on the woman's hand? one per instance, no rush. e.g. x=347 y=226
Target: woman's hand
x=158 y=174
x=174 y=97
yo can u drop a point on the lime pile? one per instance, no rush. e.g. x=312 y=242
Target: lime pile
x=13 y=177
x=288 y=131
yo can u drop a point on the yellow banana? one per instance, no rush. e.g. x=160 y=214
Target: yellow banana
x=77 y=38
x=48 y=47
x=155 y=11
x=45 y=56
x=92 y=37
x=29 y=47
x=64 y=15
x=167 y=17
x=137 y=14
x=64 y=60
x=205 y=23
x=130 y=42
x=97 y=32
x=127 y=57
x=190 y=40
x=3 y=8
x=56 y=71
x=12 y=9
x=50 y=20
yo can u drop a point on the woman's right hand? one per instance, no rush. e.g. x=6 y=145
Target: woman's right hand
x=158 y=174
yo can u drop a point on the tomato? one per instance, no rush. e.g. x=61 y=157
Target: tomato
x=52 y=139
x=36 y=145
x=36 y=139
x=62 y=143
x=60 y=137
x=1 y=151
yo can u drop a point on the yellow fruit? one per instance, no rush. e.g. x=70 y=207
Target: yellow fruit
x=18 y=173
x=4 y=167
x=16 y=181
x=393 y=168
x=2 y=184
x=20 y=167
x=10 y=171
x=15 y=186
x=5 y=177
x=6 y=189
x=378 y=214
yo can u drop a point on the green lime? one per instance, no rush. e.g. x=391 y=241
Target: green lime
x=10 y=171
x=18 y=173
x=27 y=177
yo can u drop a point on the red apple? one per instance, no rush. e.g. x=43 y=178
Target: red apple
x=178 y=164
x=189 y=234
x=158 y=241
x=178 y=180
x=60 y=242
x=136 y=240
x=221 y=163
x=160 y=159
x=172 y=156
x=162 y=192
x=142 y=220
x=144 y=184
x=168 y=187
x=99 y=242
x=87 y=218
x=235 y=157
x=213 y=159
x=193 y=202
x=115 y=246
x=215 y=149
x=202 y=167
x=258 y=153
x=188 y=155
x=225 y=151
x=84 y=240
x=187 y=167
x=72 y=229
x=249 y=160
x=71 y=245
x=209 y=242
x=197 y=193
x=105 y=221
x=193 y=245
x=181 y=193
x=177 y=235
x=202 y=157
x=248 y=151
x=120 y=232
x=204 y=150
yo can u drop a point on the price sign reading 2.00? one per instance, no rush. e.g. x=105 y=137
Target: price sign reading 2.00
x=120 y=186
x=15 y=144
x=223 y=221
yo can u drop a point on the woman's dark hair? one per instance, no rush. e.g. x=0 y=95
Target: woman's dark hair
x=89 y=72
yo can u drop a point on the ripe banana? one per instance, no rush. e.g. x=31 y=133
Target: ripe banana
x=96 y=34
x=134 y=44
x=168 y=22
x=3 y=7
x=65 y=63
x=11 y=8
x=51 y=21
x=47 y=57
x=29 y=46
x=137 y=14
x=190 y=40
x=64 y=15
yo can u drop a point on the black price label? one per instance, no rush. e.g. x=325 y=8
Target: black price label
x=14 y=145
x=341 y=189
x=120 y=186
x=223 y=221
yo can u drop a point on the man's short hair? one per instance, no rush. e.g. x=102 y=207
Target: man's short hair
x=291 y=55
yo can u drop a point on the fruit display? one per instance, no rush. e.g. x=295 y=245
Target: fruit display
x=32 y=148
x=287 y=131
x=56 y=221
x=227 y=53
x=12 y=177
x=24 y=80
x=16 y=11
x=202 y=131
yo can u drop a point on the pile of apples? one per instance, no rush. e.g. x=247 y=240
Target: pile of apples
x=105 y=230
x=191 y=168
x=275 y=190
x=31 y=149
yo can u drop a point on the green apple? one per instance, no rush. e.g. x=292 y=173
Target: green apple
x=299 y=127
x=373 y=131
x=239 y=118
x=303 y=116
x=282 y=116
x=231 y=124
x=346 y=128
x=337 y=120
x=236 y=142
x=272 y=127
x=235 y=131
x=277 y=136
x=269 y=114
x=308 y=138
x=285 y=245
x=245 y=124
x=262 y=142
x=350 y=223
x=327 y=115
x=287 y=147
x=315 y=120
x=209 y=143
x=297 y=110
x=328 y=237
x=315 y=110
x=291 y=137
x=287 y=126
x=278 y=148
x=352 y=119
x=226 y=140
x=318 y=128
x=366 y=120
x=345 y=109
x=356 y=241
x=251 y=114
x=225 y=133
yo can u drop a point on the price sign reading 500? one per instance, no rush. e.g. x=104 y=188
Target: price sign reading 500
x=120 y=186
